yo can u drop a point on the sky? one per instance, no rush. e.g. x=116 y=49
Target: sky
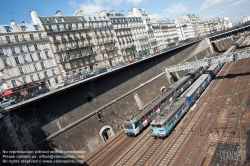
x=20 y=9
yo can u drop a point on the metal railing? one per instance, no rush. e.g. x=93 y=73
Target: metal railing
x=23 y=40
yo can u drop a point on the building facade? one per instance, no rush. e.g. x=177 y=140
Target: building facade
x=140 y=35
x=124 y=34
x=185 y=29
x=197 y=24
x=26 y=56
x=80 y=43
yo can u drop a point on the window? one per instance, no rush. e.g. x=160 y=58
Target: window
x=80 y=19
x=12 y=50
x=38 y=76
x=23 y=28
x=45 y=74
x=58 y=27
x=5 y=62
x=76 y=26
x=28 y=47
x=47 y=54
x=49 y=82
x=36 y=27
x=35 y=45
x=54 y=38
x=55 y=19
x=32 y=78
x=56 y=80
x=24 y=80
x=1 y=51
x=7 y=28
x=64 y=26
x=20 y=70
x=25 y=58
x=40 y=36
x=62 y=20
x=16 y=38
x=8 y=39
x=53 y=72
x=14 y=83
x=39 y=56
x=31 y=37
x=17 y=60
x=42 y=64
x=21 y=48
x=31 y=58
x=35 y=67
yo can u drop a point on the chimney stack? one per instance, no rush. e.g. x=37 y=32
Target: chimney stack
x=12 y=22
x=58 y=13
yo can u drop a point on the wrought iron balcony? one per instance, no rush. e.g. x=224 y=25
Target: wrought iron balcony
x=56 y=30
x=23 y=40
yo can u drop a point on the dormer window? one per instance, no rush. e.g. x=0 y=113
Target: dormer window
x=80 y=19
x=47 y=20
x=55 y=19
x=89 y=18
x=7 y=28
x=95 y=18
x=36 y=27
x=23 y=28
x=61 y=19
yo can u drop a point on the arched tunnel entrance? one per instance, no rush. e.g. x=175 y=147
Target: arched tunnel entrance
x=106 y=132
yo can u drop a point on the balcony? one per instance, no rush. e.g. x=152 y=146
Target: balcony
x=58 y=30
x=111 y=49
x=23 y=41
x=109 y=41
x=101 y=27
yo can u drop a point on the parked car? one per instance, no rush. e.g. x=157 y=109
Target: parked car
x=91 y=73
x=138 y=58
x=74 y=80
x=6 y=103
x=121 y=64
x=129 y=62
x=61 y=84
x=111 y=68
x=40 y=91
x=101 y=70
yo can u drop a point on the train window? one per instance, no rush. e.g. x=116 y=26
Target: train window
x=138 y=123
x=158 y=126
x=150 y=112
x=162 y=102
x=128 y=126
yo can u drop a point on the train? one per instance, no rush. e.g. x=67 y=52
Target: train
x=164 y=122
x=234 y=46
x=133 y=125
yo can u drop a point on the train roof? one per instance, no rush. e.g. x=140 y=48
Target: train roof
x=173 y=86
x=149 y=106
x=169 y=112
x=194 y=86
x=240 y=39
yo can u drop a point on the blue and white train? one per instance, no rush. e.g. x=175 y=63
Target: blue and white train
x=163 y=124
x=134 y=124
x=234 y=46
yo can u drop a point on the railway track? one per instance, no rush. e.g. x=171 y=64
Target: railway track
x=230 y=131
x=168 y=154
x=102 y=149
x=206 y=129
x=195 y=153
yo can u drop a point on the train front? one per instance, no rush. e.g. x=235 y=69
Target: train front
x=158 y=130
x=129 y=126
